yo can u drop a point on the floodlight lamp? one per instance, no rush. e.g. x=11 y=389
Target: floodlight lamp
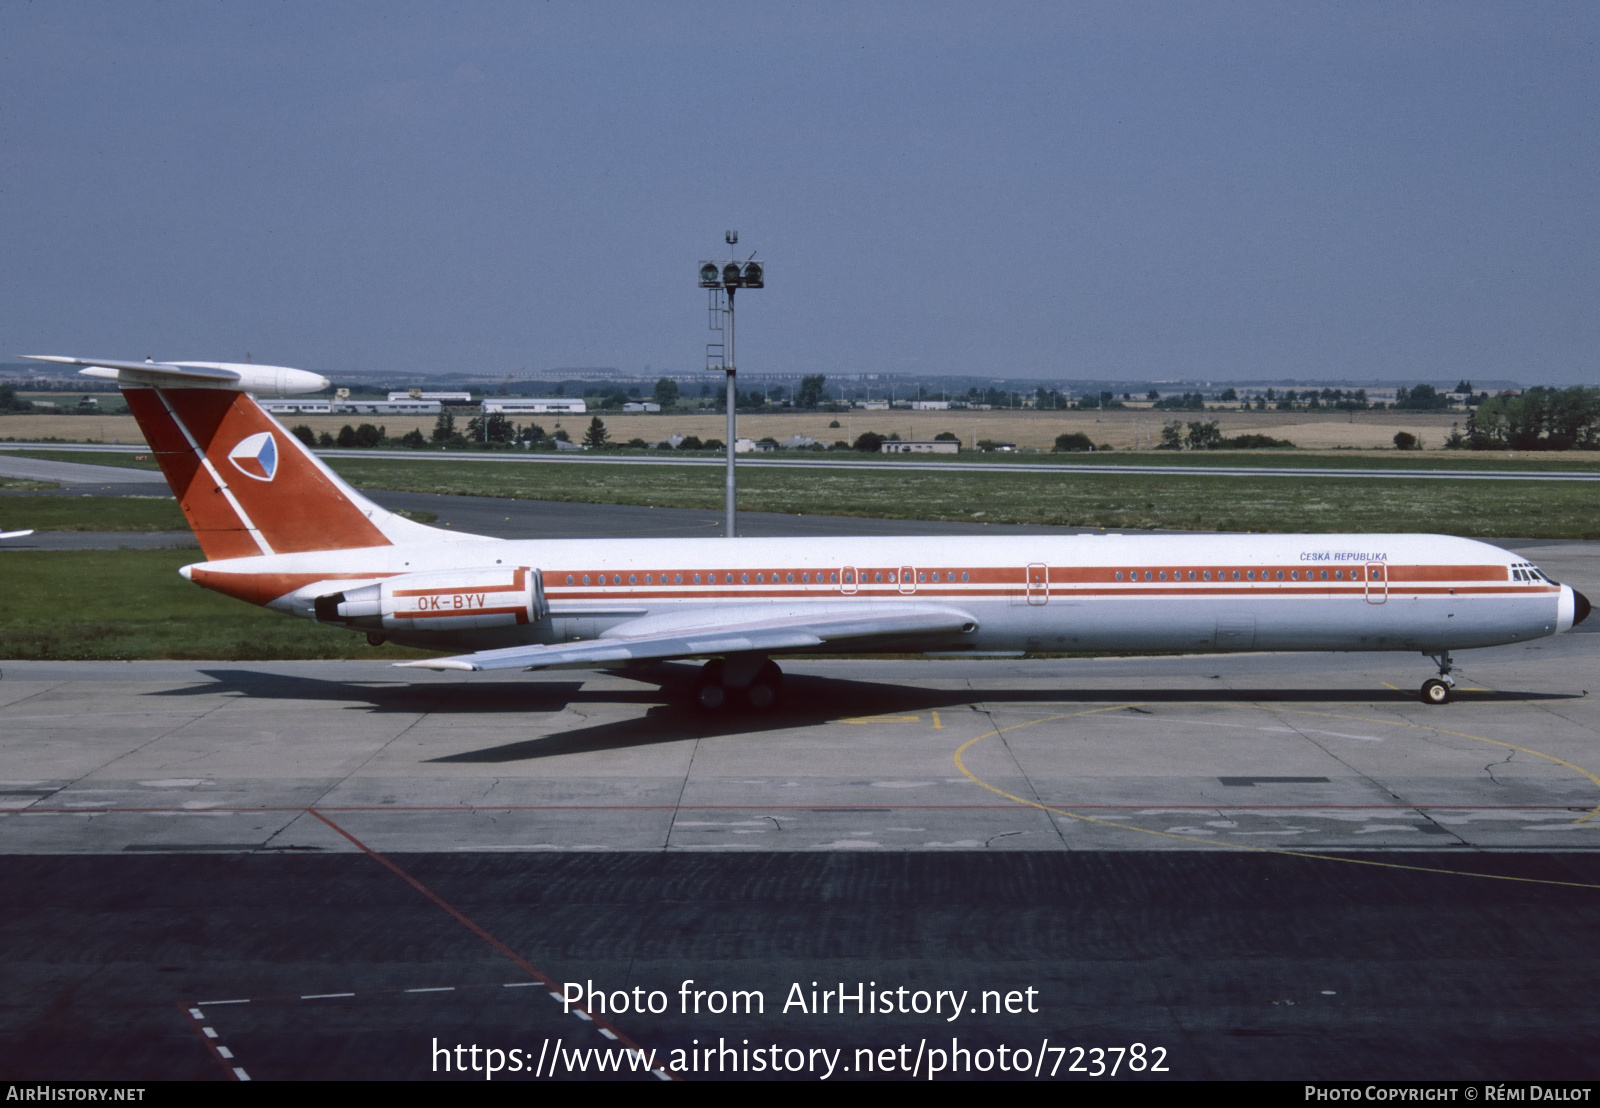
x=709 y=276
x=730 y=275
x=754 y=275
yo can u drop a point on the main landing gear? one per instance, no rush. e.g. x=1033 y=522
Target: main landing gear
x=751 y=683
x=1437 y=690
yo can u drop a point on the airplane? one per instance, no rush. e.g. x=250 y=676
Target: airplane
x=280 y=529
x=15 y=534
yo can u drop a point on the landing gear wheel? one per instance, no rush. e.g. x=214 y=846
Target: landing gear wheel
x=762 y=695
x=375 y=639
x=710 y=694
x=1435 y=691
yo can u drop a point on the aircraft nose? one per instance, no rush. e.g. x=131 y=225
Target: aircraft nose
x=1580 y=607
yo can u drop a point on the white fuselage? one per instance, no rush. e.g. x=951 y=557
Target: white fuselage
x=1048 y=593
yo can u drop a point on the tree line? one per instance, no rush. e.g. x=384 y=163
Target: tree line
x=1542 y=418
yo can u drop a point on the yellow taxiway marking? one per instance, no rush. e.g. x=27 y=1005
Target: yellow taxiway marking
x=937 y=724
x=975 y=779
x=1386 y=685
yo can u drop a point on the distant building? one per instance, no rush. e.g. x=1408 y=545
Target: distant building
x=641 y=406
x=551 y=405
x=288 y=405
x=873 y=405
x=443 y=397
x=931 y=405
x=747 y=446
x=387 y=407
x=928 y=446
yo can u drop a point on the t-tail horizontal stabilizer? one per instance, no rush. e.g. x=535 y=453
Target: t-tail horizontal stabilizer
x=245 y=484
x=245 y=376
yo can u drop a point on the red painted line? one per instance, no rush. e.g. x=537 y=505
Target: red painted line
x=466 y=921
x=211 y=1045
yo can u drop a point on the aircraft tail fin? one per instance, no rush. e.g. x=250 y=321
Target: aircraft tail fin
x=247 y=486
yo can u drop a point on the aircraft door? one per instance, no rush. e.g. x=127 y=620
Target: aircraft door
x=1038 y=584
x=847 y=580
x=1377 y=583
x=908 y=579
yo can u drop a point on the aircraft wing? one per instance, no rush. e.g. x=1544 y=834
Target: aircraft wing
x=15 y=534
x=728 y=629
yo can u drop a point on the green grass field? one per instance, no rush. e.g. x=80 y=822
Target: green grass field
x=131 y=604
x=1121 y=501
x=92 y=513
x=1577 y=461
x=1485 y=509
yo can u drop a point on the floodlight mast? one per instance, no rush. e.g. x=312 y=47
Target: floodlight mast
x=730 y=492
x=726 y=278
x=730 y=495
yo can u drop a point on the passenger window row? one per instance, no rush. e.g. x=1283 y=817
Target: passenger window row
x=777 y=577
x=1374 y=573
x=761 y=577
x=892 y=577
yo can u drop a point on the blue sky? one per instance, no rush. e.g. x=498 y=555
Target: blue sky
x=1125 y=191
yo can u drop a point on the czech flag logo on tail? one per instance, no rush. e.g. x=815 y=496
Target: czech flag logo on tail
x=256 y=456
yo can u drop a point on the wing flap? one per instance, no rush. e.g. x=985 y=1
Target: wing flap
x=714 y=632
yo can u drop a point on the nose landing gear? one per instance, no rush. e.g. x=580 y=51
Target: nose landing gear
x=1438 y=690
